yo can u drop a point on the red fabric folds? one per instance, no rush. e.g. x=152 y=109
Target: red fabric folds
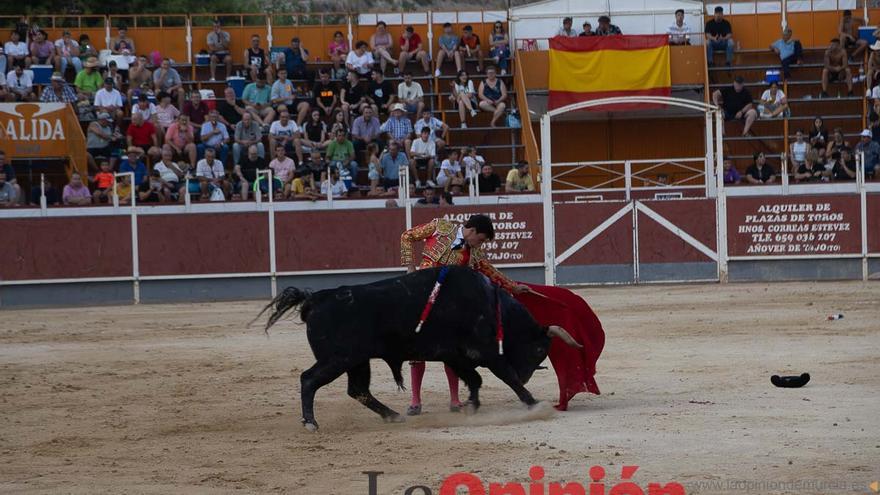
x=575 y=368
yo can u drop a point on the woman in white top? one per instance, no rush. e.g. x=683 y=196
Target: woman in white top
x=798 y=151
x=464 y=95
x=773 y=102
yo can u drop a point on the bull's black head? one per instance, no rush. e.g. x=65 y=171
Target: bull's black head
x=526 y=343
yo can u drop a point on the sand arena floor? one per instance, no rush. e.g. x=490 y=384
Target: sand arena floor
x=185 y=399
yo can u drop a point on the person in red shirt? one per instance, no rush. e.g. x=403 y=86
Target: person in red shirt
x=143 y=135
x=411 y=49
x=470 y=46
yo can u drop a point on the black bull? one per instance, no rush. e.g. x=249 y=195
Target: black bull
x=350 y=325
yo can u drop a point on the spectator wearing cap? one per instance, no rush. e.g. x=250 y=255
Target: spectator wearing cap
x=99 y=136
x=679 y=32
x=587 y=29
x=218 y=47
x=382 y=44
x=17 y=52
x=88 y=81
x=294 y=59
x=20 y=85
x=566 y=29
x=132 y=162
x=142 y=134
x=871 y=149
x=737 y=103
x=719 y=36
x=836 y=68
x=67 y=53
x=42 y=50
x=788 y=50
x=58 y=91
x=411 y=49
x=519 y=179
x=214 y=135
x=470 y=46
x=360 y=60
x=398 y=126
x=606 y=28
x=76 y=193
x=109 y=99
x=449 y=42
x=167 y=79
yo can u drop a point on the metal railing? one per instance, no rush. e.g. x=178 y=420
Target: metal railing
x=634 y=176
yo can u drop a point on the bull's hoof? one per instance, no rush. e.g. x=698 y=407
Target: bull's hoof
x=395 y=418
x=533 y=405
x=470 y=407
x=311 y=426
x=414 y=410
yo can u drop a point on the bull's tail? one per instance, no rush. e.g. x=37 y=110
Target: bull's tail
x=397 y=372
x=290 y=298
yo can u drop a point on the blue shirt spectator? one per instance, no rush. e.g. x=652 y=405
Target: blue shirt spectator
x=139 y=169
x=391 y=163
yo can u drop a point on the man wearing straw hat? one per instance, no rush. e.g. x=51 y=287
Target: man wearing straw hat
x=58 y=92
x=88 y=81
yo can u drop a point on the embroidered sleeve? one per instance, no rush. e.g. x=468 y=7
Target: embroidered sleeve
x=418 y=233
x=494 y=275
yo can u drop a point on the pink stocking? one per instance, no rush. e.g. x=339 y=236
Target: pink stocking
x=416 y=373
x=452 y=378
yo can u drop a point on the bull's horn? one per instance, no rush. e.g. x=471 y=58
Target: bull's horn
x=557 y=331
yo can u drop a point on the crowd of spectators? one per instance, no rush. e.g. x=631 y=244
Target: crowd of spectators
x=316 y=126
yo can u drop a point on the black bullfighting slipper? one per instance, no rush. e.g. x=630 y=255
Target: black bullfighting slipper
x=790 y=381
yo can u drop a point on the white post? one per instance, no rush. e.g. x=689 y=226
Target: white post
x=135 y=269
x=627 y=178
x=547 y=198
x=269 y=37
x=635 y=236
x=329 y=188
x=350 y=32
x=43 y=193
x=707 y=166
x=189 y=40
x=863 y=208
x=187 y=201
x=430 y=35
x=273 y=267
x=721 y=200
x=783 y=173
x=257 y=192
x=403 y=190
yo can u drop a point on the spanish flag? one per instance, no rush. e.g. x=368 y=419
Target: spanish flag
x=589 y=68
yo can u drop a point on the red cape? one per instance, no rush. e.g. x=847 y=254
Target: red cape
x=575 y=368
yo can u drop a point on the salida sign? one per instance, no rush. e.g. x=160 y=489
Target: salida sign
x=33 y=130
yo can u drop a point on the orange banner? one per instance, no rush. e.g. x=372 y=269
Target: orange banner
x=42 y=130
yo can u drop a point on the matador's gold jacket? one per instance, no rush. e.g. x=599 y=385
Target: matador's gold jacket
x=439 y=236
